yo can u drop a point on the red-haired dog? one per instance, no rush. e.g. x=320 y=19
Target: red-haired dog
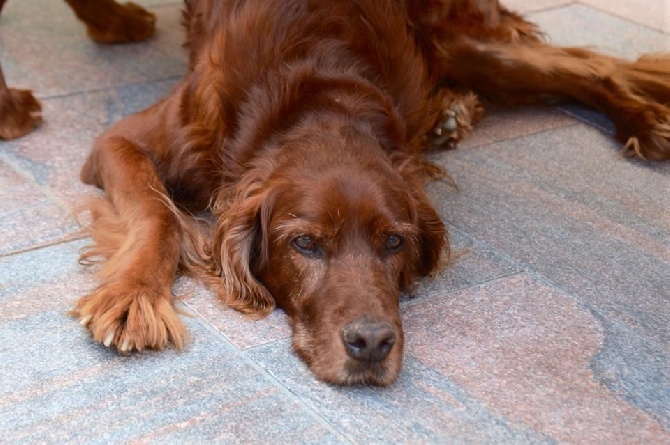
x=301 y=127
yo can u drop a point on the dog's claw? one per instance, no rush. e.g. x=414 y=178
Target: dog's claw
x=451 y=124
x=446 y=127
x=85 y=320
x=110 y=337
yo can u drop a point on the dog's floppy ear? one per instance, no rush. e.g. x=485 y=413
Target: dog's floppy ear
x=433 y=238
x=239 y=235
x=433 y=235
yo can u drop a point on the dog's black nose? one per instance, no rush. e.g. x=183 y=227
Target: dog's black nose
x=369 y=341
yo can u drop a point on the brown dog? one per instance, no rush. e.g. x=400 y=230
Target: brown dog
x=301 y=126
x=106 y=22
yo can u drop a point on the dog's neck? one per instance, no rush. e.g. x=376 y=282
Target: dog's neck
x=283 y=101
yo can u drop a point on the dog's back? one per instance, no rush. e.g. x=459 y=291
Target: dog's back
x=242 y=43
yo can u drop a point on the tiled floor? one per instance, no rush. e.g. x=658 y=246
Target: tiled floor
x=551 y=326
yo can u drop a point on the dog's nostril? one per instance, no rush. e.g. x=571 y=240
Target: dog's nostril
x=358 y=344
x=368 y=341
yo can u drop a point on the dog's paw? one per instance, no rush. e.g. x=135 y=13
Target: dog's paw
x=124 y=23
x=459 y=115
x=131 y=318
x=445 y=130
x=20 y=113
x=650 y=139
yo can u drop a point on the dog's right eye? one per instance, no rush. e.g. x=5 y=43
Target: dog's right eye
x=306 y=245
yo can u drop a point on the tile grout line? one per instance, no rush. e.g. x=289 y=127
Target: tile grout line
x=242 y=353
x=108 y=88
x=528 y=270
x=430 y=297
x=621 y=17
x=585 y=120
x=527 y=13
x=531 y=133
x=43 y=190
x=63 y=241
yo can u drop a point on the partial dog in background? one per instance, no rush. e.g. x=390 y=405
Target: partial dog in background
x=106 y=22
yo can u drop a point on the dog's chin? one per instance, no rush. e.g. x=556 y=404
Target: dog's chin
x=341 y=370
x=354 y=373
x=374 y=374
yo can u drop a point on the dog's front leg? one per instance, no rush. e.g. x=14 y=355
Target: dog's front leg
x=139 y=238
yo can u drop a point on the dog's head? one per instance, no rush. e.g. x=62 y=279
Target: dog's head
x=332 y=230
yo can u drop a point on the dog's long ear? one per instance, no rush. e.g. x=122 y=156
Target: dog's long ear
x=433 y=239
x=238 y=236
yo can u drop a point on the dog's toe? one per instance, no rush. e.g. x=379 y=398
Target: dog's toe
x=446 y=128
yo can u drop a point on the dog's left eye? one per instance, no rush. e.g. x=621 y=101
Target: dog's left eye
x=306 y=245
x=394 y=243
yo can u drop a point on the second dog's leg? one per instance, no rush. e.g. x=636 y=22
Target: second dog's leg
x=110 y=22
x=140 y=239
x=20 y=112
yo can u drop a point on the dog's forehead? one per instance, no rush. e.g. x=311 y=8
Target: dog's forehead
x=347 y=199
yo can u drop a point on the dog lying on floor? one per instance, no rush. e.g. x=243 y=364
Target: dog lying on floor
x=106 y=22
x=301 y=127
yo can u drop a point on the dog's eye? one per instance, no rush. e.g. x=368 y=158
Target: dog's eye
x=306 y=245
x=394 y=243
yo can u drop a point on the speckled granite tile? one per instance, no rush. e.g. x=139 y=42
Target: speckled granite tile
x=239 y=330
x=579 y=25
x=654 y=13
x=421 y=407
x=86 y=393
x=506 y=123
x=500 y=124
x=628 y=361
x=58 y=386
x=564 y=203
x=45 y=273
x=28 y=217
x=39 y=36
x=471 y=263
x=589 y=116
x=524 y=350
x=526 y=6
x=53 y=155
